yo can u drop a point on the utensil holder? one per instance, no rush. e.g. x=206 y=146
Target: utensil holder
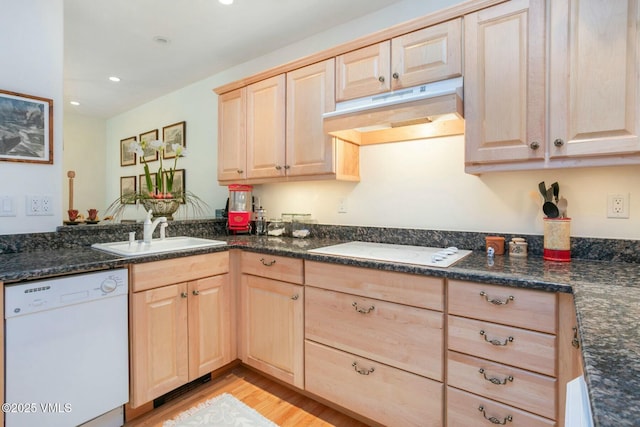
x=557 y=240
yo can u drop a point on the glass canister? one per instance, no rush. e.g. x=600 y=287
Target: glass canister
x=301 y=225
x=275 y=227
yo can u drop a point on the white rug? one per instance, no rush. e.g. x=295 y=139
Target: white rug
x=221 y=411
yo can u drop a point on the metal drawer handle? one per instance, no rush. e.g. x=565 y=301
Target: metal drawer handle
x=295 y=297
x=534 y=145
x=495 y=420
x=362 y=310
x=497 y=301
x=267 y=263
x=381 y=79
x=195 y=292
x=495 y=341
x=575 y=341
x=184 y=294
x=362 y=371
x=494 y=380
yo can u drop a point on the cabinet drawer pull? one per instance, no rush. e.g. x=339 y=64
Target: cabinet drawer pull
x=496 y=301
x=195 y=292
x=362 y=371
x=495 y=420
x=184 y=294
x=495 y=341
x=362 y=310
x=267 y=263
x=381 y=79
x=494 y=380
x=295 y=297
x=575 y=341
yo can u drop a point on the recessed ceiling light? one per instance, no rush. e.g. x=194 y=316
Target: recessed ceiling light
x=114 y=79
x=74 y=103
x=162 y=40
x=227 y=2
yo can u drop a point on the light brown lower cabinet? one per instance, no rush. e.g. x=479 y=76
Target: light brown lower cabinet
x=179 y=331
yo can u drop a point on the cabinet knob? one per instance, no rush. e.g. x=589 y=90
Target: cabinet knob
x=534 y=145
x=295 y=297
x=287 y=167
x=278 y=167
x=381 y=79
x=240 y=171
x=184 y=294
x=558 y=142
x=395 y=76
x=195 y=292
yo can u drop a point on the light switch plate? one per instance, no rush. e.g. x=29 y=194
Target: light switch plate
x=7 y=206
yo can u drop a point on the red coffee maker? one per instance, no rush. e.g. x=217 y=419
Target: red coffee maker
x=240 y=208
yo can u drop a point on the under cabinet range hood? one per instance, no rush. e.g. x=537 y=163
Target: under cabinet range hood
x=424 y=111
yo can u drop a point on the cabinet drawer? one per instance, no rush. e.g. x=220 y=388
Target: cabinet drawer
x=466 y=409
x=406 y=337
x=530 y=350
x=409 y=289
x=272 y=266
x=524 y=308
x=522 y=389
x=387 y=395
x=151 y=275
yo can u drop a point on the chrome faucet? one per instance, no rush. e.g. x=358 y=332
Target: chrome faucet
x=149 y=227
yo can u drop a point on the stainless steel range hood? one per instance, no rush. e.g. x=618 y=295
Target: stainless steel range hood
x=424 y=111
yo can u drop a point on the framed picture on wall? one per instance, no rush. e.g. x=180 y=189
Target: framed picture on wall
x=26 y=128
x=178 y=182
x=150 y=154
x=143 y=183
x=127 y=187
x=174 y=134
x=127 y=157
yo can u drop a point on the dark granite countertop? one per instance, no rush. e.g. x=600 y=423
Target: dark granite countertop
x=606 y=294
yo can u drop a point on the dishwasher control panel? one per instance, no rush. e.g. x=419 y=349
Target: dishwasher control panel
x=48 y=294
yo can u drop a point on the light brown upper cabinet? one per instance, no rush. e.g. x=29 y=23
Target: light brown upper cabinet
x=593 y=90
x=272 y=129
x=588 y=113
x=232 y=142
x=423 y=56
x=504 y=83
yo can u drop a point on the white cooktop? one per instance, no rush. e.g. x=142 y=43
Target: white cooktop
x=404 y=254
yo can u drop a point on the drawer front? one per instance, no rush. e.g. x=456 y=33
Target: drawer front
x=466 y=409
x=155 y=274
x=515 y=387
x=406 y=337
x=408 y=289
x=273 y=267
x=384 y=394
x=530 y=350
x=523 y=308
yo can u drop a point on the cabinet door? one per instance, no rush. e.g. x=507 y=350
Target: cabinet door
x=209 y=325
x=273 y=327
x=427 y=55
x=504 y=88
x=159 y=354
x=310 y=93
x=363 y=72
x=594 y=93
x=232 y=146
x=266 y=128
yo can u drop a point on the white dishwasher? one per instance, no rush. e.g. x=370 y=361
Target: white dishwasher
x=66 y=350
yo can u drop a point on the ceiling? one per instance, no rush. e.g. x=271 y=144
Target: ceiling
x=116 y=38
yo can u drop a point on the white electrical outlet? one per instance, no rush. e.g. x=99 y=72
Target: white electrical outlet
x=39 y=205
x=7 y=206
x=618 y=205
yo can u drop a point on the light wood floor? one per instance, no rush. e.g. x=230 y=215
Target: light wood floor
x=274 y=401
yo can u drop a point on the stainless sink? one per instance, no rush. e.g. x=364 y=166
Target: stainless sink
x=157 y=246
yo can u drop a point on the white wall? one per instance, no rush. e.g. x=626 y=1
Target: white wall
x=84 y=150
x=31 y=42
x=419 y=184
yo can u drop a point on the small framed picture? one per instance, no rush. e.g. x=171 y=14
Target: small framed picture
x=143 y=183
x=174 y=134
x=26 y=128
x=150 y=154
x=127 y=157
x=178 y=183
x=127 y=188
